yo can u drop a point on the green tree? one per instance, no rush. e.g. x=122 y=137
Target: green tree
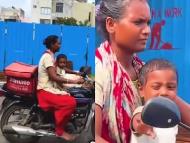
x=71 y=21
x=66 y=21
x=85 y=23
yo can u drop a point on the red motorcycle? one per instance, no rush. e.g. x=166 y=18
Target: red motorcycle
x=23 y=121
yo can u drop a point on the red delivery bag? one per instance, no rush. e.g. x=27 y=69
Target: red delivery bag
x=21 y=78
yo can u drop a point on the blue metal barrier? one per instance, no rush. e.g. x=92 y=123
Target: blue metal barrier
x=24 y=42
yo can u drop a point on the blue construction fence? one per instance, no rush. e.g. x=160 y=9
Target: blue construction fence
x=24 y=42
x=170 y=38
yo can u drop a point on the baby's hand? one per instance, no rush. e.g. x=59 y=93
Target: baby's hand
x=142 y=128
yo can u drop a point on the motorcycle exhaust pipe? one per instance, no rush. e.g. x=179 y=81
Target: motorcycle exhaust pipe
x=22 y=130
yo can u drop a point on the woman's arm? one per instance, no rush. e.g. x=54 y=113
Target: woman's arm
x=98 y=125
x=53 y=76
x=102 y=81
x=184 y=109
x=70 y=71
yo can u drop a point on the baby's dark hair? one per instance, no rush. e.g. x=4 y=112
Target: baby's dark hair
x=50 y=40
x=153 y=65
x=61 y=56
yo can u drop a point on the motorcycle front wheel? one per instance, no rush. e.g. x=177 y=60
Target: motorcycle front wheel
x=15 y=115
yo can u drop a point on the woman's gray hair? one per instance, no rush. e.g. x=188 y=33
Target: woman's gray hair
x=109 y=8
x=153 y=65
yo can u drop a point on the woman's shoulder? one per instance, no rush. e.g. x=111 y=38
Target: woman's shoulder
x=137 y=60
x=46 y=60
x=137 y=63
x=103 y=51
x=101 y=68
x=45 y=56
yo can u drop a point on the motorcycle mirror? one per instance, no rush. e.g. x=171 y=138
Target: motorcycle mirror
x=84 y=74
x=161 y=112
x=85 y=69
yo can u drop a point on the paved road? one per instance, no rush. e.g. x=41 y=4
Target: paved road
x=83 y=138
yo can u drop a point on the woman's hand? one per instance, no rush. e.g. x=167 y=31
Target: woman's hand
x=142 y=128
x=80 y=81
x=184 y=108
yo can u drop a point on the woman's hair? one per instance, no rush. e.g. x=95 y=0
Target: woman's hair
x=50 y=40
x=153 y=65
x=109 y=8
x=61 y=56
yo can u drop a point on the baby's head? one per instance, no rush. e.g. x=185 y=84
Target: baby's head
x=158 y=77
x=61 y=60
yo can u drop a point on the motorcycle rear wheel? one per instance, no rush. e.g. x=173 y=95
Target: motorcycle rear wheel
x=16 y=138
x=6 y=102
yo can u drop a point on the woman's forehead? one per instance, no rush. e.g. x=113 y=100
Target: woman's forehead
x=137 y=9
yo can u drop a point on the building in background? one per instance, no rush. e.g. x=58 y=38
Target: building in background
x=47 y=12
x=41 y=11
x=84 y=12
x=51 y=11
x=62 y=8
x=11 y=14
x=82 y=0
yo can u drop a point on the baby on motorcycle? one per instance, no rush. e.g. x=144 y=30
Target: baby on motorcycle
x=63 y=71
